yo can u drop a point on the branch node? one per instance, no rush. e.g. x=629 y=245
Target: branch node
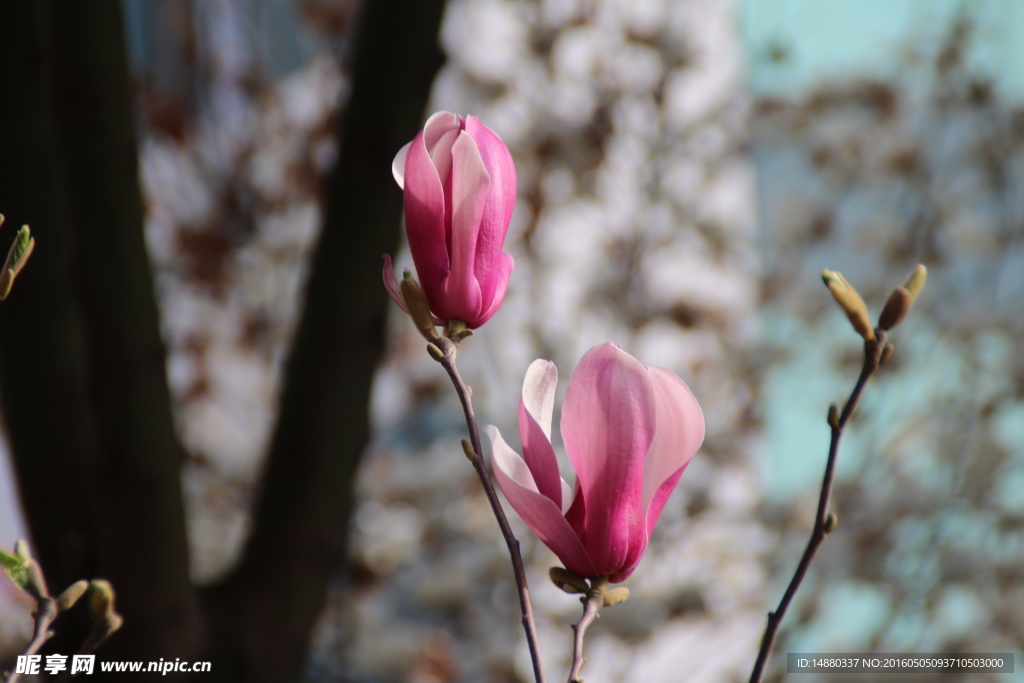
x=833 y=416
x=887 y=352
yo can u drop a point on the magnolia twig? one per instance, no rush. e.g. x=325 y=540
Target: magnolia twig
x=824 y=522
x=102 y=629
x=46 y=612
x=26 y=573
x=449 y=348
x=592 y=603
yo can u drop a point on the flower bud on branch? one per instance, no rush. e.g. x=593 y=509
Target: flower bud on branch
x=850 y=301
x=72 y=594
x=460 y=188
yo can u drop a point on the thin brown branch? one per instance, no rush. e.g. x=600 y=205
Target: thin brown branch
x=44 y=616
x=872 y=356
x=449 y=349
x=101 y=630
x=592 y=604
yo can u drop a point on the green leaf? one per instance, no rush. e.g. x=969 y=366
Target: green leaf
x=20 y=245
x=16 y=569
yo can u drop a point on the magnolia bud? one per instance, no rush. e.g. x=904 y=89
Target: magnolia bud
x=71 y=595
x=850 y=301
x=896 y=308
x=917 y=279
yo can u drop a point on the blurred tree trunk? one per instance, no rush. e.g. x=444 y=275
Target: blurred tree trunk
x=81 y=357
x=301 y=522
x=82 y=363
x=141 y=539
x=42 y=367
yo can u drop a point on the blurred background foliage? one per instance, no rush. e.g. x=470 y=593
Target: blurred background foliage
x=686 y=168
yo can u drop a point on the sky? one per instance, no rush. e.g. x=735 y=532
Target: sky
x=822 y=38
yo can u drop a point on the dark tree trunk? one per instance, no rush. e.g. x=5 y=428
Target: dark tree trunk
x=82 y=364
x=81 y=358
x=41 y=359
x=141 y=542
x=301 y=525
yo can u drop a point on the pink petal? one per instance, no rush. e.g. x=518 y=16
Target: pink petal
x=535 y=408
x=437 y=126
x=398 y=165
x=679 y=435
x=470 y=184
x=566 y=496
x=439 y=134
x=538 y=511
x=501 y=279
x=626 y=571
x=425 y=219
x=576 y=514
x=497 y=212
x=392 y=285
x=608 y=425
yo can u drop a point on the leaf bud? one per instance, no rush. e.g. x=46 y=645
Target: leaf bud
x=833 y=415
x=71 y=595
x=35 y=584
x=101 y=601
x=568 y=581
x=615 y=595
x=17 y=257
x=850 y=301
x=435 y=352
x=916 y=282
x=896 y=308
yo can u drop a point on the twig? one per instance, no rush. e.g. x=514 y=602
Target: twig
x=102 y=629
x=44 y=615
x=592 y=603
x=449 y=349
x=824 y=523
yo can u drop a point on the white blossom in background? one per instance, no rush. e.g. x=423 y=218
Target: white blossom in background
x=230 y=305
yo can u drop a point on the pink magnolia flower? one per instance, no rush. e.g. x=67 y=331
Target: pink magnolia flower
x=629 y=431
x=460 y=188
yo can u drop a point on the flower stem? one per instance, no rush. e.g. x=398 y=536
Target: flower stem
x=592 y=603
x=449 y=349
x=872 y=357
